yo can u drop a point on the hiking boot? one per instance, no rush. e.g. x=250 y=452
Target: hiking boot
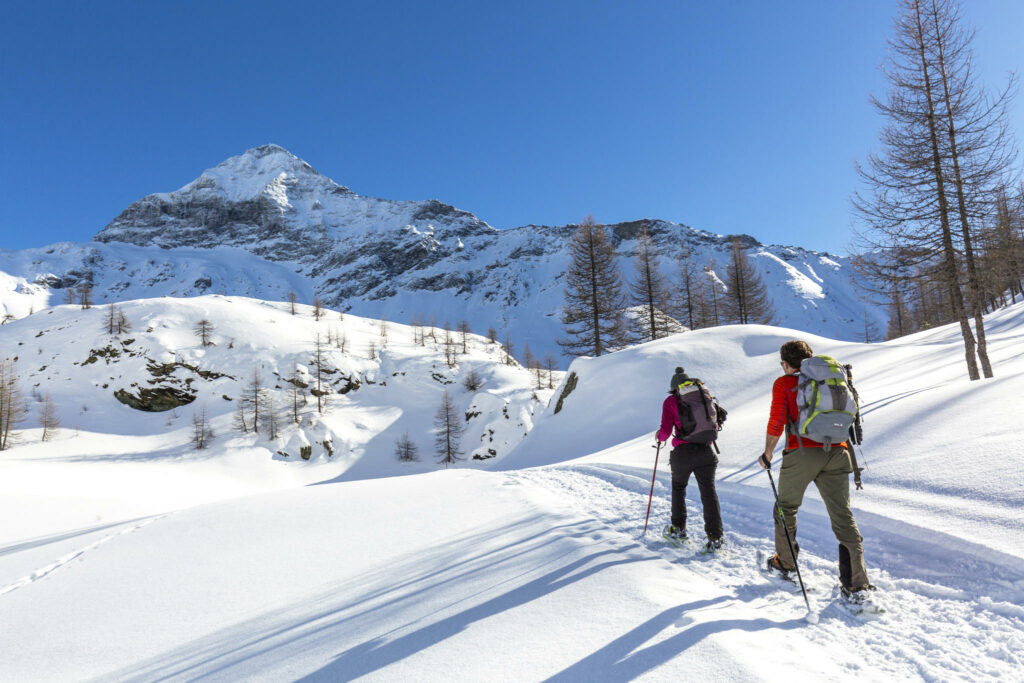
x=774 y=565
x=674 y=534
x=858 y=596
x=713 y=544
x=863 y=601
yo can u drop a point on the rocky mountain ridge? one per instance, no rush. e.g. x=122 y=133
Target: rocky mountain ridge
x=265 y=223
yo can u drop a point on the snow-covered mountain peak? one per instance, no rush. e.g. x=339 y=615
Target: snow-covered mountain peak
x=266 y=170
x=272 y=203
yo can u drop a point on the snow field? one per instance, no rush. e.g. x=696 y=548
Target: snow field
x=930 y=632
x=117 y=560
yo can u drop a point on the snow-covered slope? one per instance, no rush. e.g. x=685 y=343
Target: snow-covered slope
x=940 y=450
x=265 y=223
x=100 y=381
x=533 y=568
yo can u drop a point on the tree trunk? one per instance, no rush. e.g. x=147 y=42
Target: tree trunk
x=973 y=284
x=952 y=274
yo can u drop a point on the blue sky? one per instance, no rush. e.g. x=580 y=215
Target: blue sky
x=728 y=116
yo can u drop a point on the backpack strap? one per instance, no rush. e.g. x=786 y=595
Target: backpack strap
x=856 y=469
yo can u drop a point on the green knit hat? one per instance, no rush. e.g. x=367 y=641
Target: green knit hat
x=677 y=379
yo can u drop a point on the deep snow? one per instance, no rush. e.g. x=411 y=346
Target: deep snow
x=531 y=568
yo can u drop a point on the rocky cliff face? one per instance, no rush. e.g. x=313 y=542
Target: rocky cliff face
x=265 y=223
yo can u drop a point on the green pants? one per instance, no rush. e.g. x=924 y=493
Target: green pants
x=830 y=471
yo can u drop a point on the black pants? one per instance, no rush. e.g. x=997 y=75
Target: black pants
x=701 y=461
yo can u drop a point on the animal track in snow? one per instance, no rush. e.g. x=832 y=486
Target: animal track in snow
x=43 y=572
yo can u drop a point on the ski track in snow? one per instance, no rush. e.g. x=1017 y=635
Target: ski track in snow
x=930 y=631
x=64 y=560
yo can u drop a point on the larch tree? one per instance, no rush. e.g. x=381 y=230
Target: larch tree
x=550 y=363
x=297 y=394
x=688 y=294
x=978 y=146
x=649 y=293
x=48 y=418
x=111 y=321
x=405 y=449
x=944 y=152
x=85 y=295
x=464 y=331
x=12 y=404
x=746 y=301
x=204 y=330
x=472 y=380
x=122 y=325
x=594 y=300
x=713 y=288
x=319 y=362
x=251 y=403
x=202 y=432
x=448 y=430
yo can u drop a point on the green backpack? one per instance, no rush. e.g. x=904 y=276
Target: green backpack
x=824 y=400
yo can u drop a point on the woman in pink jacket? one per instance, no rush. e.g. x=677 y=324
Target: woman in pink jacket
x=689 y=457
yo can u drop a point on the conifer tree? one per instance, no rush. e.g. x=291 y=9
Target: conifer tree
x=250 y=403
x=713 y=295
x=448 y=430
x=122 y=326
x=48 y=418
x=204 y=330
x=405 y=449
x=202 y=432
x=649 y=293
x=12 y=404
x=746 y=300
x=464 y=330
x=688 y=305
x=592 y=313
x=945 y=152
x=111 y=319
x=298 y=396
x=472 y=380
x=319 y=362
x=85 y=295
x=550 y=362
x=528 y=358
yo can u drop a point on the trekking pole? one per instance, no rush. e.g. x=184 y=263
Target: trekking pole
x=651 y=497
x=778 y=507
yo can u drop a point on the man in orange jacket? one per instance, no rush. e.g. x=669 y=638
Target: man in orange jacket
x=804 y=461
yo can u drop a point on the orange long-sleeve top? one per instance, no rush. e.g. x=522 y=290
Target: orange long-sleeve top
x=784 y=410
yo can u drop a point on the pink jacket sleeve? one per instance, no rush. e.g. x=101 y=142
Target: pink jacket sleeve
x=669 y=414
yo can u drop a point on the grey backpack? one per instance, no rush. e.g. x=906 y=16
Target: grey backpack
x=825 y=402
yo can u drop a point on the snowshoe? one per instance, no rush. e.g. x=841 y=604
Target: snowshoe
x=775 y=568
x=675 y=535
x=864 y=601
x=712 y=546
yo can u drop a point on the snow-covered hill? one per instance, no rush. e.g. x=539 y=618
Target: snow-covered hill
x=265 y=223
x=530 y=568
x=130 y=399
